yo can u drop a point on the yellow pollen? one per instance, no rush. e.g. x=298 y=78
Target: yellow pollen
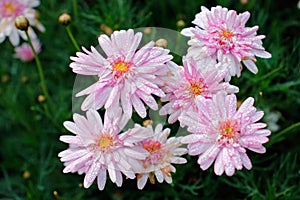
x=121 y=67
x=197 y=88
x=229 y=130
x=105 y=141
x=227 y=34
x=10 y=8
x=152 y=146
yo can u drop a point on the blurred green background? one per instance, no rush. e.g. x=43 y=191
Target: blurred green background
x=30 y=168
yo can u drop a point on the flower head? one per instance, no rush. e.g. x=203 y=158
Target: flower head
x=163 y=152
x=100 y=147
x=222 y=35
x=221 y=133
x=21 y=23
x=9 y=10
x=126 y=77
x=189 y=82
x=25 y=53
x=64 y=19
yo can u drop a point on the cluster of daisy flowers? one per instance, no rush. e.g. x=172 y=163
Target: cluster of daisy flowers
x=198 y=95
x=9 y=11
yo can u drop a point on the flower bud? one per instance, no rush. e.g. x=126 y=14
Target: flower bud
x=147 y=30
x=26 y=174
x=24 y=79
x=55 y=193
x=244 y=2
x=106 y=29
x=41 y=98
x=4 y=78
x=180 y=23
x=22 y=23
x=147 y=122
x=64 y=19
x=161 y=43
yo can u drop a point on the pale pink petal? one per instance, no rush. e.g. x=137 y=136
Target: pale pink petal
x=91 y=174
x=94 y=118
x=219 y=164
x=246 y=161
x=119 y=178
x=70 y=139
x=159 y=176
x=113 y=97
x=141 y=182
x=228 y=165
x=207 y=158
x=71 y=127
x=138 y=106
x=251 y=66
x=101 y=179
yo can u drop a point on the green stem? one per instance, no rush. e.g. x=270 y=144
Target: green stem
x=75 y=10
x=278 y=136
x=72 y=38
x=41 y=74
x=269 y=74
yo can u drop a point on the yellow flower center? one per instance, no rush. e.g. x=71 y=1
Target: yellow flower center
x=120 y=68
x=196 y=88
x=226 y=34
x=10 y=8
x=225 y=37
x=105 y=141
x=229 y=130
x=152 y=146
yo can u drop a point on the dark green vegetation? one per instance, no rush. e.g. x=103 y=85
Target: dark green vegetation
x=29 y=139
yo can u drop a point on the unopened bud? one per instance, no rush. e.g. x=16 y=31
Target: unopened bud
x=244 y=2
x=55 y=193
x=147 y=31
x=147 y=122
x=161 y=43
x=107 y=30
x=4 y=78
x=64 y=19
x=24 y=79
x=41 y=98
x=180 y=23
x=22 y=23
x=26 y=174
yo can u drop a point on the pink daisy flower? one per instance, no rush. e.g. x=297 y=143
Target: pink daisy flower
x=163 y=152
x=221 y=133
x=99 y=147
x=192 y=81
x=126 y=77
x=25 y=53
x=9 y=10
x=222 y=35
